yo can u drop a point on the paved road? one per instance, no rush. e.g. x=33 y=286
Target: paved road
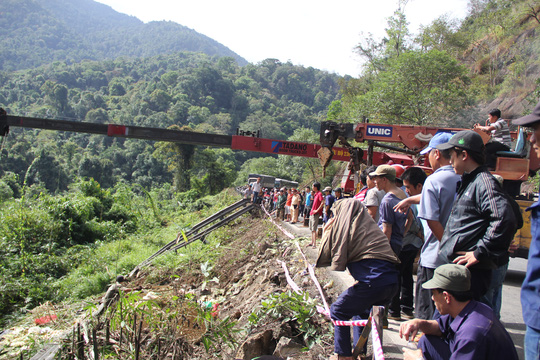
x=511 y=315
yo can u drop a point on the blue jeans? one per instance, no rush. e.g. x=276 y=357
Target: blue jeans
x=356 y=303
x=255 y=196
x=493 y=296
x=532 y=344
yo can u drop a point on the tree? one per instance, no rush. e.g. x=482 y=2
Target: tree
x=441 y=35
x=214 y=173
x=397 y=40
x=392 y=45
x=93 y=167
x=46 y=170
x=179 y=159
x=416 y=87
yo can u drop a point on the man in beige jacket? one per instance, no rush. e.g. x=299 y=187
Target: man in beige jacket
x=352 y=240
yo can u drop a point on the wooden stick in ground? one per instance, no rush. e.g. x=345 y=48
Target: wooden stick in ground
x=363 y=339
x=107 y=331
x=138 y=340
x=80 y=342
x=378 y=313
x=95 y=344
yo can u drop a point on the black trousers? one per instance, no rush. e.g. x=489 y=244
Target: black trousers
x=491 y=150
x=405 y=296
x=424 y=306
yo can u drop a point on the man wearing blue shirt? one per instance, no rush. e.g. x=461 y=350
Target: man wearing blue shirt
x=530 y=290
x=435 y=205
x=434 y=209
x=466 y=330
x=329 y=200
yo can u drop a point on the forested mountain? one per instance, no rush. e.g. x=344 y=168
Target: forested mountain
x=37 y=32
x=183 y=90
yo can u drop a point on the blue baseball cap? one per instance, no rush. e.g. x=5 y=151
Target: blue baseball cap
x=437 y=139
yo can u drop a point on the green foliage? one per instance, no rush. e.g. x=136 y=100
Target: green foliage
x=41 y=241
x=291 y=307
x=502 y=46
x=5 y=191
x=168 y=319
x=436 y=76
x=416 y=87
x=182 y=91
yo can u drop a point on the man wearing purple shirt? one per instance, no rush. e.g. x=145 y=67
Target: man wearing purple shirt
x=467 y=329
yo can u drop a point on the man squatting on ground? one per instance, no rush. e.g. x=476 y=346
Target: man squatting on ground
x=435 y=205
x=530 y=290
x=466 y=330
x=352 y=240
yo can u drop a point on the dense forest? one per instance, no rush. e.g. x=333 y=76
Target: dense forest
x=184 y=90
x=67 y=197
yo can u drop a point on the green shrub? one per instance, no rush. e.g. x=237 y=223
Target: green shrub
x=5 y=191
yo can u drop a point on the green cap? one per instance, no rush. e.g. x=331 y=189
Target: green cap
x=451 y=277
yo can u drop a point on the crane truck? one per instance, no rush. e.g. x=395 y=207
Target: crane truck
x=513 y=167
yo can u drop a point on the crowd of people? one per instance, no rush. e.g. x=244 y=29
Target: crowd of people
x=460 y=223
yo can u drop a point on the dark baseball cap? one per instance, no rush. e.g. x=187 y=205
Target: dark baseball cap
x=530 y=119
x=451 y=277
x=465 y=139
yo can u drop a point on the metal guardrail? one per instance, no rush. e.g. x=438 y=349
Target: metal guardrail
x=198 y=232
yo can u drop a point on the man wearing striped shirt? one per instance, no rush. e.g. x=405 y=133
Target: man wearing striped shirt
x=500 y=136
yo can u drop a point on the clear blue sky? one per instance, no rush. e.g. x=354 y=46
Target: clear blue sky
x=315 y=33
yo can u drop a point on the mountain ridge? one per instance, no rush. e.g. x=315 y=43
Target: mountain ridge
x=37 y=32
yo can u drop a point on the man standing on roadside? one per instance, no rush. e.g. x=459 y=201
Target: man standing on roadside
x=256 y=188
x=328 y=202
x=390 y=222
x=282 y=199
x=482 y=222
x=373 y=196
x=338 y=194
x=413 y=179
x=435 y=205
x=315 y=213
x=530 y=300
x=307 y=207
x=288 y=213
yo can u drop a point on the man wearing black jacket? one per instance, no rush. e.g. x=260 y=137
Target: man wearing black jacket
x=482 y=222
